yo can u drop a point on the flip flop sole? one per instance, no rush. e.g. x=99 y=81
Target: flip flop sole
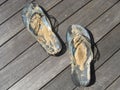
x=79 y=47
x=39 y=26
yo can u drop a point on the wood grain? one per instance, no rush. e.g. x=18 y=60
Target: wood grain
x=15 y=24
x=28 y=80
x=42 y=74
x=17 y=44
x=13 y=6
x=67 y=8
x=107 y=47
x=22 y=65
x=12 y=47
x=86 y=15
x=2 y=1
x=106 y=74
x=115 y=85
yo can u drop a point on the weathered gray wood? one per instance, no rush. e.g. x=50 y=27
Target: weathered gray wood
x=22 y=65
x=14 y=24
x=79 y=88
x=43 y=73
x=11 y=27
x=107 y=21
x=12 y=6
x=107 y=73
x=114 y=40
x=86 y=15
x=115 y=85
x=2 y=1
x=61 y=82
x=12 y=49
x=53 y=68
x=67 y=8
x=48 y=4
x=16 y=45
x=17 y=40
x=9 y=8
x=107 y=46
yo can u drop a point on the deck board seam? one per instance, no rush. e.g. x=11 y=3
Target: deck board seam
x=25 y=49
x=109 y=31
x=74 y=12
x=96 y=68
x=18 y=56
x=55 y=5
x=103 y=13
x=102 y=65
x=13 y=15
x=3 y=2
x=112 y=82
x=43 y=61
x=47 y=11
x=20 y=30
x=12 y=37
x=27 y=73
x=21 y=10
x=54 y=77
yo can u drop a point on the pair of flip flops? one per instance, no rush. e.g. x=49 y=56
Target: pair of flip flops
x=77 y=37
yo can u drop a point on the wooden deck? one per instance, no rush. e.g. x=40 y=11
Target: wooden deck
x=24 y=65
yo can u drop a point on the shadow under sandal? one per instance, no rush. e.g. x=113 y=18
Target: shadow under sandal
x=79 y=48
x=40 y=27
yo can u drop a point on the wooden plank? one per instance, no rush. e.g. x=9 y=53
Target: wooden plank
x=48 y=4
x=107 y=47
x=7 y=47
x=61 y=82
x=40 y=80
x=115 y=85
x=2 y=1
x=42 y=74
x=14 y=24
x=107 y=73
x=18 y=40
x=16 y=45
x=22 y=65
x=67 y=8
x=9 y=8
x=12 y=49
x=12 y=6
x=10 y=28
x=86 y=15
x=107 y=21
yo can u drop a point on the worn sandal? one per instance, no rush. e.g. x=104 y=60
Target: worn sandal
x=79 y=48
x=40 y=27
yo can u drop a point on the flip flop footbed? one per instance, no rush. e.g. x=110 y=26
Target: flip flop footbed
x=79 y=48
x=39 y=26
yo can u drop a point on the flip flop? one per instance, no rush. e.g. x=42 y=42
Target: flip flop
x=79 y=48
x=38 y=24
